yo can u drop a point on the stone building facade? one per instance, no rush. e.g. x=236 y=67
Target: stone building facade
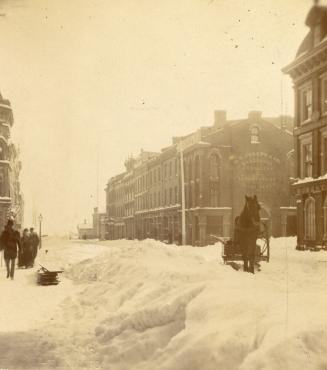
x=309 y=74
x=11 y=200
x=221 y=164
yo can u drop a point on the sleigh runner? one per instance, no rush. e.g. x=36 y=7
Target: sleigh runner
x=46 y=277
x=231 y=250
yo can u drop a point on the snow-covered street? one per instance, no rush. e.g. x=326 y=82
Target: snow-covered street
x=146 y=305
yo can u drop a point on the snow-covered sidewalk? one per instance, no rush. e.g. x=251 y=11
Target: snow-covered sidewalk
x=146 y=305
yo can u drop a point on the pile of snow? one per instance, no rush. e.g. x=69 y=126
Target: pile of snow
x=27 y=309
x=146 y=305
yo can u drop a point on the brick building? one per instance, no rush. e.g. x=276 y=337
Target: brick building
x=309 y=74
x=222 y=163
x=11 y=200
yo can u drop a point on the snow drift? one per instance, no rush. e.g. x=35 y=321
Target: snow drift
x=146 y=305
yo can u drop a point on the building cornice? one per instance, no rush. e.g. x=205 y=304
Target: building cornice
x=308 y=62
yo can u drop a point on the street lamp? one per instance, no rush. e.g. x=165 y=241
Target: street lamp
x=40 y=230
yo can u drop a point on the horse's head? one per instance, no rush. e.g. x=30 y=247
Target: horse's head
x=252 y=208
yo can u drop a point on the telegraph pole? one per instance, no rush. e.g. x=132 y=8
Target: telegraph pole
x=183 y=199
x=40 y=230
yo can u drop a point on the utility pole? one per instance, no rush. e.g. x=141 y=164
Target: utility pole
x=40 y=230
x=183 y=199
x=98 y=178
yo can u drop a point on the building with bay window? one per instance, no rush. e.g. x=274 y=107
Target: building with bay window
x=11 y=200
x=309 y=74
x=222 y=163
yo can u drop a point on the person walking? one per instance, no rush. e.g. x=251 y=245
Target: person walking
x=10 y=243
x=35 y=241
x=27 y=249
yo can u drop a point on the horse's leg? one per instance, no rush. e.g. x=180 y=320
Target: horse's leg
x=251 y=268
x=245 y=264
x=252 y=248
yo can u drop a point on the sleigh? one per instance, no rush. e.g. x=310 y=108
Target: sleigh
x=46 y=277
x=231 y=250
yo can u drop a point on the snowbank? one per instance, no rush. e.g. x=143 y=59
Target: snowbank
x=146 y=305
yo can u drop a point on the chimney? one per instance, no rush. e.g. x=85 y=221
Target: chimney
x=220 y=118
x=255 y=116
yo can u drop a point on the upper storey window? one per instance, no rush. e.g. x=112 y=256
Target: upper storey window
x=255 y=135
x=306 y=103
x=317 y=34
x=214 y=166
x=324 y=94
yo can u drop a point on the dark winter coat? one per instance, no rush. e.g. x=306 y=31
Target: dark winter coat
x=10 y=242
x=35 y=240
x=27 y=249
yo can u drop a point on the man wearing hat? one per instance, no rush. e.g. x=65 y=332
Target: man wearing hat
x=10 y=243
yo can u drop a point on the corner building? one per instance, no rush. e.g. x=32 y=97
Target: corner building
x=222 y=163
x=309 y=74
x=11 y=200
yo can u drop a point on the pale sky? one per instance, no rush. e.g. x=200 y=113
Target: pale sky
x=107 y=78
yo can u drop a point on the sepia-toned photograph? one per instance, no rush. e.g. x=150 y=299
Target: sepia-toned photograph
x=163 y=185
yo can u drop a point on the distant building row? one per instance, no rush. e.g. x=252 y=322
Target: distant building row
x=222 y=163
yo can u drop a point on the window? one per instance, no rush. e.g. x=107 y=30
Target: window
x=165 y=202
x=214 y=166
x=214 y=197
x=197 y=194
x=325 y=217
x=324 y=95
x=306 y=103
x=190 y=172
x=165 y=170
x=170 y=169
x=154 y=176
x=170 y=196
x=317 y=34
x=324 y=155
x=176 y=195
x=197 y=167
x=309 y=219
x=255 y=135
x=176 y=167
x=159 y=174
x=307 y=160
x=159 y=200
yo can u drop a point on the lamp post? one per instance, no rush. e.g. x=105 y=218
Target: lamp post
x=40 y=230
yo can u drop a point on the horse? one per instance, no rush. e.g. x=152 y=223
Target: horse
x=247 y=229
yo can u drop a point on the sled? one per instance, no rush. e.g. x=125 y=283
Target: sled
x=231 y=251
x=46 y=277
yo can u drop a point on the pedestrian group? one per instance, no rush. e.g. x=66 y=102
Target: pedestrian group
x=14 y=245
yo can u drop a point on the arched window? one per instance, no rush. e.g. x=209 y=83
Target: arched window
x=190 y=196
x=310 y=219
x=214 y=197
x=2 y=186
x=214 y=166
x=325 y=217
x=196 y=194
x=197 y=167
x=190 y=172
x=2 y=150
x=255 y=135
